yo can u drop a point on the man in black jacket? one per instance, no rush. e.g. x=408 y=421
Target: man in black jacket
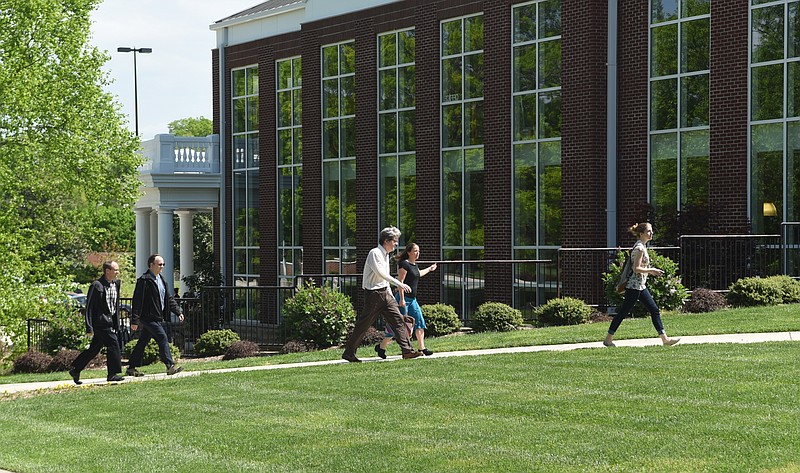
x=102 y=321
x=152 y=305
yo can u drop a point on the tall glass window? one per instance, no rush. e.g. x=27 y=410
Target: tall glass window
x=339 y=157
x=289 y=107
x=397 y=173
x=680 y=39
x=536 y=142
x=462 y=77
x=244 y=123
x=774 y=114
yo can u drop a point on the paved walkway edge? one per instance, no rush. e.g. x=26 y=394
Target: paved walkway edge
x=641 y=342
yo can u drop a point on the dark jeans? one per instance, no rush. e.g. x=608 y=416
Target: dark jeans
x=631 y=297
x=103 y=337
x=380 y=302
x=154 y=330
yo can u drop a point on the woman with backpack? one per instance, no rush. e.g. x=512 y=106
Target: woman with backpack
x=636 y=287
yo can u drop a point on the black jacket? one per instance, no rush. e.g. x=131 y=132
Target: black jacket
x=146 y=304
x=98 y=314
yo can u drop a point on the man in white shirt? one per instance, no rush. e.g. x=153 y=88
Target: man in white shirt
x=378 y=299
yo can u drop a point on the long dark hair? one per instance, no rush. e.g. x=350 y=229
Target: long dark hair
x=404 y=255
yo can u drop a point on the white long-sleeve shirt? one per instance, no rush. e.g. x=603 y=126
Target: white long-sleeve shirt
x=376 y=270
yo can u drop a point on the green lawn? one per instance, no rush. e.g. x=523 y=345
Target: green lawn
x=685 y=408
x=750 y=320
x=723 y=407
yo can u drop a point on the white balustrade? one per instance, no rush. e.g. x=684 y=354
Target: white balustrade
x=166 y=154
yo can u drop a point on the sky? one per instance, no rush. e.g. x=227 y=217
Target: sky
x=174 y=81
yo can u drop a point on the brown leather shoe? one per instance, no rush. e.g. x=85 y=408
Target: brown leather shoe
x=350 y=358
x=413 y=354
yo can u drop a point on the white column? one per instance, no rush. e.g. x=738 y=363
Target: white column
x=142 y=240
x=165 y=248
x=187 y=246
x=153 y=232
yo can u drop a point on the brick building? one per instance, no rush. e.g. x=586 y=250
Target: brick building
x=499 y=130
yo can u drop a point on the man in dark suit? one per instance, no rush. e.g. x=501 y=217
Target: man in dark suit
x=152 y=305
x=102 y=321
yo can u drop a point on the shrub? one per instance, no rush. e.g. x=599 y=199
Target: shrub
x=441 y=319
x=667 y=290
x=297 y=346
x=318 y=315
x=215 y=342
x=241 y=349
x=32 y=362
x=150 y=351
x=496 y=317
x=62 y=360
x=372 y=336
x=704 y=300
x=564 y=311
x=757 y=291
x=66 y=331
x=747 y=292
x=790 y=288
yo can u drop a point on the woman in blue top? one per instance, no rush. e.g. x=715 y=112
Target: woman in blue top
x=409 y=273
x=636 y=289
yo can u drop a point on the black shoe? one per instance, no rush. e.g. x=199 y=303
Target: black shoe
x=133 y=372
x=76 y=376
x=350 y=358
x=426 y=352
x=380 y=351
x=115 y=379
x=174 y=370
x=412 y=354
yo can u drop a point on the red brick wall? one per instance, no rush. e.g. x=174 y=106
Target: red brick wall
x=632 y=55
x=729 y=117
x=583 y=136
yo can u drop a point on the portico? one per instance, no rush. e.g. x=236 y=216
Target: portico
x=181 y=176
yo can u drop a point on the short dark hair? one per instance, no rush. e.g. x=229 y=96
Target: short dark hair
x=107 y=265
x=152 y=258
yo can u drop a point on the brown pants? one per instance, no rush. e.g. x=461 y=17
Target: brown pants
x=380 y=302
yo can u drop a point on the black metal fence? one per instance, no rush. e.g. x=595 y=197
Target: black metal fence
x=717 y=261
x=254 y=312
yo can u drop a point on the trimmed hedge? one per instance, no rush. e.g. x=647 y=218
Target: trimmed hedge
x=564 y=311
x=441 y=319
x=773 y=290
x=496 y=317
x=215 y=342
x=319 y=315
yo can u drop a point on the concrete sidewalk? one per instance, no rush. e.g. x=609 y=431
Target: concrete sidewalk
x=642 y=342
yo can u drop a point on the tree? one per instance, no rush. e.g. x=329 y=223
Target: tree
x=200 y=126
x=65 y=150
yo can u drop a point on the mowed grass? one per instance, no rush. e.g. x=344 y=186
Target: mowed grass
x=742 y=320
x=686 y=408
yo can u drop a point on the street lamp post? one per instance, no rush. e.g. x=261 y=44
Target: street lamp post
x=135 y=80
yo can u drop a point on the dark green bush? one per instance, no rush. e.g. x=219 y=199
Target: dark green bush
x=67 y=330
x=704 y=300
x=215 y=342
x=297 y=346
x=667 y=290
x=563 y=311
x=441 y=319
x=150 y=351
x=319 y=315
x=32 y=362
x=496 y=317
x=790 y=288
x=747 y=292
x=241 y=349
x=773 y=290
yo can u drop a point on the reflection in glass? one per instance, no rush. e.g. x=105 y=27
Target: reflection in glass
x=549 y=18
x=694 y=101
x=664 y=50
x=766 y=158
x=524 y=117
x=549 y=64
x=663 y=104
x=525 y=201
x=767 y=92
x=695 y=45
x=694 y=169
x=663 y=10
x=525 y=23
x=452 y=198
x=525 y=68
x=550 y=193
x=550 y=114
x=664 y=171
x=767 y=34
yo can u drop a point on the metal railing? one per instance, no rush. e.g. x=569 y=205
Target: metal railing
x=37 y=328
x=717 y=261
